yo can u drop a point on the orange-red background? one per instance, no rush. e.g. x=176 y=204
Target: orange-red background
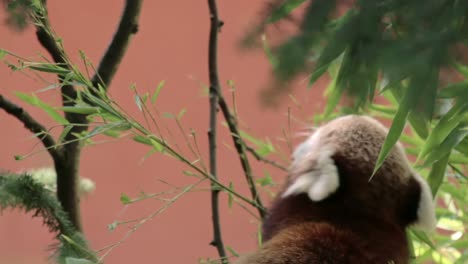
x=171 y=45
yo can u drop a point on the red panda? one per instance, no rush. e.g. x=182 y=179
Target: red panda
x=331 y=212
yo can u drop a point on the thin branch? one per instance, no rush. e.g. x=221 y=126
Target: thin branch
x=31 y=124
x=67 y=167
x=241 y=151
x=128 y=26
x=265 y=160
x=214 y=91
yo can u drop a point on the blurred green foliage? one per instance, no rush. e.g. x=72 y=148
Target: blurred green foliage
x=410 y=53
x=413 y=55
x=25 y=193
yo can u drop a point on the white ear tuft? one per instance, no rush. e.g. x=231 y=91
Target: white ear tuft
x=326 y=184
x=320 y=181
x=426 y=209
x=300 y=185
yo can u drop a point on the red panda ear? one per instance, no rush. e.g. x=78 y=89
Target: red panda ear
x=426 y=218
x=313 y=171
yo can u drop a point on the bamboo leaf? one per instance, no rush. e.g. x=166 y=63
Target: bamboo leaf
x=265 y=181
x=444 y=127
x=71 y=260
x=181 y=114
x=138 y=102
x=65 y=131
x=267 y=50
x=35 y=101
x=48 y=67
x=424 y=238
x=397 y=127
x=230 y=196
x=125 y=199
x=452 y=140
x=436 y=176
x=233 y=252
x=337 y=44
x=85 y=110
x=3 y=53
x=454 y=90
x=284 y=10
x=143 y=140
x=157 y=91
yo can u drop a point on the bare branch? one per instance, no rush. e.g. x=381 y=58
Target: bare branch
x=240 y=146
x=31 y=124
x=267 y=161
x=214 y=91
x=67 y=167
x=111 y=60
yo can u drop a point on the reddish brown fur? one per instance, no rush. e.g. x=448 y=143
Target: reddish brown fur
x=323 y=243
x=362 y=222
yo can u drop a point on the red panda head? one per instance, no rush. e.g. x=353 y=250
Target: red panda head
x=330 y=187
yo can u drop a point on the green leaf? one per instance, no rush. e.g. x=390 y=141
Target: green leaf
x=265 y=181
x=317 y=73
x=233 y=252
x=142 y=139
x=418 y=122
x=148 y=140
x=29 y=99
x=267 y=50
x=259 y=236
x=397 y=127
x=424 y=238
x=383 y=109
x=452 y=140
x=85 y=110
x=48 y=67
x=124 y=199
x=113 y=226
x=35 y=101
x=284 y=10
x=65 y=132
x=112 y=133
x=250 y=138
x=338 y=85
x=230 y=196
x=157 y=91
x=454 y=90
x=436 y=176
x=3 y=53
x=138 y=102
x=181 y=114
x=156 y=143
x=71 y=260
x=168 y=115
x=336 y=45
x=265 y=149
x=444 y=127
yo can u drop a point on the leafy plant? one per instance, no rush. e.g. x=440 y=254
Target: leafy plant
x=399 y=51
x=25 y=193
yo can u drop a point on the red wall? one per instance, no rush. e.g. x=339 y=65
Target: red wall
x=171 y=45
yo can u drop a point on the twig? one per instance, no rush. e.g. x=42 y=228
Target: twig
x=214 y=91
x=241 y=151
x=147 y=218
x=67 y=167
x=31 y=124
x=110 y=62
x=267 y=161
